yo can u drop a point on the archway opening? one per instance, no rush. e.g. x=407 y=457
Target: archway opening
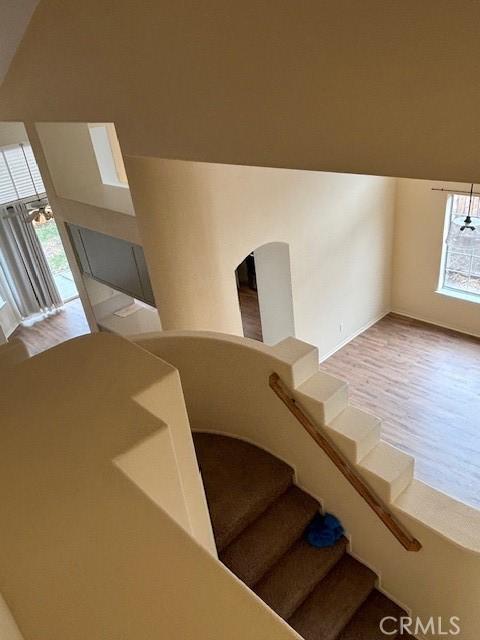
x=265 y=293
x=248 y=298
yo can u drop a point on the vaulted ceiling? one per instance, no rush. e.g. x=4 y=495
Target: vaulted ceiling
x=14 y=18
x=375 y=87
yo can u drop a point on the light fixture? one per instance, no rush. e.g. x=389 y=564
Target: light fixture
x=39 y=211
x=464 y=230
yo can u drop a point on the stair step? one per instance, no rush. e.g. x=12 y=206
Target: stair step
x=240 y=481
x=334 y=601
x=266 y=540
x=388 y=470
x=295 y=575
x=323 y=396
x=365 y=624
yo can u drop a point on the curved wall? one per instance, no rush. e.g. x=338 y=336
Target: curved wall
x=198 y=221
x=225 y=382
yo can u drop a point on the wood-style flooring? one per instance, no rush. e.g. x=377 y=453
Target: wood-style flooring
x=250 y=311
x=69 y=322
x=424 y=382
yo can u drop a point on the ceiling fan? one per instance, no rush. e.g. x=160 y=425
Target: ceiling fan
x=39 y=212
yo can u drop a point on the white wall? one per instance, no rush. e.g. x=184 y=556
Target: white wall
x=274 y=285
x=419 y=226
x=198 y=221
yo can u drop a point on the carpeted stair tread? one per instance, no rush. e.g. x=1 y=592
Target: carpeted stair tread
x=294 y=576
x=266 y=540
x=240 y=481
x=365 y=624
x=334 y=601
x=259 y=517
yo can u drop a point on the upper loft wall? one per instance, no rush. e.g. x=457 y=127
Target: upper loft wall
x=74 y=169
x=365 y=87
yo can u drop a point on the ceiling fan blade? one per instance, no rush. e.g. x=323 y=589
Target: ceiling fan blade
x=32 y=215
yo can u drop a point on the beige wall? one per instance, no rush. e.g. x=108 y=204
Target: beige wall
x=368 y=87
x=98 y=218
x=15 y=17
x=443 y=578
x=73 y=167
x=8 y=628
x=198 y=222
x=105 y=532
x=419 y=227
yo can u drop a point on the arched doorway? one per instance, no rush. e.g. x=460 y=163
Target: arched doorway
x=265 y=293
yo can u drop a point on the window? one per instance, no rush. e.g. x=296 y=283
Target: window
x=460 y=272
x=19 y=174
x=108 y=154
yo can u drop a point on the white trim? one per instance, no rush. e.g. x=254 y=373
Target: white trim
x=28 y=200
x=344 y=342
x=407 y=315
x=458 y=294
x=435 y=323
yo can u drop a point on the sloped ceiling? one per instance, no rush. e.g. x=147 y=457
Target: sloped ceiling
x=386 y=88
x=14 y=18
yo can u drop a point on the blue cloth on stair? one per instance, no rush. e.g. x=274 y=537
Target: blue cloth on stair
x=324 y=531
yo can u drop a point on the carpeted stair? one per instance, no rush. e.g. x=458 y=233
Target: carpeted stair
x=259 y=517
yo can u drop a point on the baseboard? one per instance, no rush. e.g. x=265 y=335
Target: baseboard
x=354 y=335
x=399 y=312
x=406 y=314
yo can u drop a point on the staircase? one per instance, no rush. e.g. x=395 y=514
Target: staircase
x=259 y=516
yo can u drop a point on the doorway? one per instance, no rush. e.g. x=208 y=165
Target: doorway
x=51 y=243
x=265 y=297
x=248 y=298
x=38 y=296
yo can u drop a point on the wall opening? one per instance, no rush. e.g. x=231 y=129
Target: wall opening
x=37 y=291
x=265 y=293
x=86 y=164
x=248 y=298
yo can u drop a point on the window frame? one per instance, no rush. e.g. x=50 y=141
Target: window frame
x=442 y=287
x=108 y=154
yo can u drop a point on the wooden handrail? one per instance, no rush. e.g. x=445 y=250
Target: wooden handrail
x=344 y=466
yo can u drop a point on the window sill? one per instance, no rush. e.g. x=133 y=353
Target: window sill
x=459 y=295
x=117 y=185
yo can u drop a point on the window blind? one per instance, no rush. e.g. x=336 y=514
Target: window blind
x=19 y=174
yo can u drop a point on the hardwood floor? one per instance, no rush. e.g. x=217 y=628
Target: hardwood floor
x=250 y=311
x=424 y=382
x=68 y=323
